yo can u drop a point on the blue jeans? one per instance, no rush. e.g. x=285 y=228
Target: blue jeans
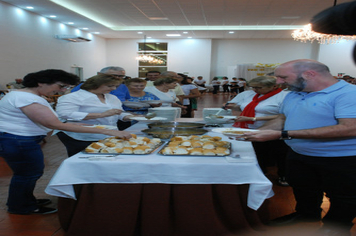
x=24 y=156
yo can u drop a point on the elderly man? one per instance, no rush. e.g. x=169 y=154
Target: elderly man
x=318 y=122
x=122 y=91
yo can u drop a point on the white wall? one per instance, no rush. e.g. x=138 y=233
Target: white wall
x=187 y=55
x=338 y=57
x=27 y=44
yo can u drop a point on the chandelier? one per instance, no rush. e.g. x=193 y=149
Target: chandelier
x=148 y=58
x=307 y=34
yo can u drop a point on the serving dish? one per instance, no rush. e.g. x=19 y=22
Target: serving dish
x=101 y=126
x=144 y=119
x=152 y=101
x=135 y=104
x=233 y=132
x=165 y=133
x=194 y=145
x=116 y=146
x=176 y=124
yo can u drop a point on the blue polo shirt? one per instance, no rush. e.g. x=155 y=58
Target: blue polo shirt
x=122 y=92
x=319 y=109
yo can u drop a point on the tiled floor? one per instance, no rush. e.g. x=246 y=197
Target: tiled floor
x=34 y=225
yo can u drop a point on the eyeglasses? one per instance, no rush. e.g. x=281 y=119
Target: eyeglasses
x=119 y=76
x=63 y=86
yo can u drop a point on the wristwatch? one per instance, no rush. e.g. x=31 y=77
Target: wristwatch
x=285 y=135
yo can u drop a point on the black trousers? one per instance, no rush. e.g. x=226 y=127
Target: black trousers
x=311 y=176
x=272 y=153
x=72 y=145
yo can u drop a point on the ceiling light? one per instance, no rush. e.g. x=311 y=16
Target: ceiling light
x=85 y=28
x=52 y=16
x=307 y=34
x=173 y=35
x=96 y=33
x=70 y=23
x=144 y=57
x=158 y=18
x=231 y=32
x=185 y=32
x=29 y=7
x=139 y=32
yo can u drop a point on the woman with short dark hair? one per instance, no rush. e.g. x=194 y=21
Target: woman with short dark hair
x=25 y=119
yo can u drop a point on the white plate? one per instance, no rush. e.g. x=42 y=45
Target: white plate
x=102 y=126
x=224 y=118
x=143 y=119
x=152 y=101
x=230 y=131
x=135 y=104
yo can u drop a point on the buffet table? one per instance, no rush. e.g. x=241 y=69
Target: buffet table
x=161 y=195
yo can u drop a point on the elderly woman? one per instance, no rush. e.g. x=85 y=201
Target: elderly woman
x=25 y=119
x=257 y=106
x=136 y=88
x=91 y=105
x=163 y=89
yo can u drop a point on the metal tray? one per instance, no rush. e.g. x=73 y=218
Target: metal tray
x=116 y=154
x=175 y=124
x=160 y=152
x=165 y=133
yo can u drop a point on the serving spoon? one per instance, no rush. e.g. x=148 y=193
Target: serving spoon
x=150 y=115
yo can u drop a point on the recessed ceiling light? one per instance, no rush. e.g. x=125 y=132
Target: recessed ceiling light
x=52 y=16
x=185 y=32
x=290 y=17
x=70 y=23
x=158 y=18
x=29 y=7
x=173 y=35
x=149 y=37
x=231 y=32
x=139 y=32
x=96 y=33
x=85 y=28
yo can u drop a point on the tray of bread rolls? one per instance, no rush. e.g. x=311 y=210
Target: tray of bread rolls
x=117 y=146
x=195 y=145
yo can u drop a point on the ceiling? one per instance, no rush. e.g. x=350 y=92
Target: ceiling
x=200 y=19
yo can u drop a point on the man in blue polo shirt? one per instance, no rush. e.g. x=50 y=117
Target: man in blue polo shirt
x=318 y=122
x=122 y=91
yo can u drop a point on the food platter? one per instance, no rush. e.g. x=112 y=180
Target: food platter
x=176 y=125
x=145 y=120
x=116 y=146
x=102 y=126
x=152 y=101
x=165 y=133
x=136 y=104
x=220 y=118
x=232 y=132
x=204 y=145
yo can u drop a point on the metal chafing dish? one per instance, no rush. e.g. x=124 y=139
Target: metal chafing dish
x=165 y=133
x=175 y=125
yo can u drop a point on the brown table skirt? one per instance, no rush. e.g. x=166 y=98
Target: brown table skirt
x=158 y=210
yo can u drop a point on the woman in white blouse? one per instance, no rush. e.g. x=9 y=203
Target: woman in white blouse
x=92 y=105
x=164 y=89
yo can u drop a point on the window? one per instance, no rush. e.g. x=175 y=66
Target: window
x=155 y=55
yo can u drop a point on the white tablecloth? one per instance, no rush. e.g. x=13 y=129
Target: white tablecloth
x=156 y=168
